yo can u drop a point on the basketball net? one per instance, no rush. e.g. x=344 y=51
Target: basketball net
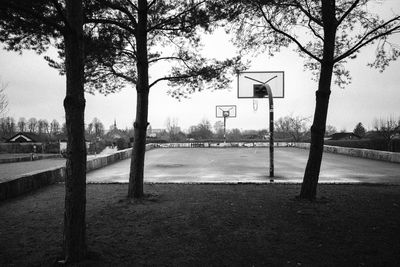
x=255 y=104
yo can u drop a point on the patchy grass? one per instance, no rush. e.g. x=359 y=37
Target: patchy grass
x=203 y=225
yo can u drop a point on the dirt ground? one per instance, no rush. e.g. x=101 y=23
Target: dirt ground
x=211 y=225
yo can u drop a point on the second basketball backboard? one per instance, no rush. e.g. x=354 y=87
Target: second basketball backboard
x=225 y=111
x=251 y=83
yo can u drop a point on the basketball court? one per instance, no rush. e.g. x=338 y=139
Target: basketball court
x=246 y=165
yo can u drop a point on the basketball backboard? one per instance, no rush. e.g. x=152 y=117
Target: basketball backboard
x=251 y=84
x=225 y=111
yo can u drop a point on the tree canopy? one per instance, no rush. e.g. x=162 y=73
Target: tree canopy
x=267 y=26
x=326 y=33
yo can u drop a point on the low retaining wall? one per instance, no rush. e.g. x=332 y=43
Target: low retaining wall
x=102 y=161
x=219 y=145
x=357 y=152
x=32 y=181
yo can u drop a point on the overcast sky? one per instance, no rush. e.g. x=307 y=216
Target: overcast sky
x=36 y=90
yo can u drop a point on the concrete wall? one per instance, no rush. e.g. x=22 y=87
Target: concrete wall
x=101 y=161
x=357 y=152
x=32 y=181
x=219 y=145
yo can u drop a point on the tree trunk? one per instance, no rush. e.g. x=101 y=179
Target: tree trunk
x=311 y=174
x=135 y=189
x=74 y=104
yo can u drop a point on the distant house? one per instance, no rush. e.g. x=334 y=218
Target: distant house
x=154 y=133
x=24 y=137
x=343 y=136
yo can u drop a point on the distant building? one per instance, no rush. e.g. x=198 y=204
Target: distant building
x=154 y=133
x=343 y=136
x=114 y=133
x=25 y=137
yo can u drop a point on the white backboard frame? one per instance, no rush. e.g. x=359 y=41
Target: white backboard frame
x=219 y=111
x=247 y=80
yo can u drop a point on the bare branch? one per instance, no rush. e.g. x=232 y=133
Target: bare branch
x=123 y=76
x=3 y=99
x=132 y=5
x=169 y=78
x=308 y=13
x=122 y=9
x=151 y=4
x=354 y=5
x=165 y=58
x=302 y=48
x=314 y=31
x=112 y=22
x=364 y=41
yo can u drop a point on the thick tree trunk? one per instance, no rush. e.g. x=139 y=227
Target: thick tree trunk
x=311 y=175
x=74 y=104
x=135 y=189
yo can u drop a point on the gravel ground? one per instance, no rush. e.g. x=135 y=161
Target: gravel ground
x=211 y=225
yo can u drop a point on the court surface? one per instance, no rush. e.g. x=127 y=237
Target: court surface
x=246 y=165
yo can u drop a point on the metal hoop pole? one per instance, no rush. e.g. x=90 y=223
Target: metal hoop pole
x=224 y=129
x=271 y=133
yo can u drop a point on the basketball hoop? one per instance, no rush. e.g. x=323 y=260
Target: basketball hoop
x=225 y=111
x=260 y=85
x=255 y=104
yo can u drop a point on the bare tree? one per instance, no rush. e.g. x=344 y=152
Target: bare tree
x=201 y=131
x=97 y=127
x=7 y=126
x=32 y=125
x=43 y=126
x=21 y=124
x=3 y=99
x=297 y=127
x=173 y=129
x=234 y=134
x=54 y=127
x=387 y=129
x=330 y=129
x=219 y=129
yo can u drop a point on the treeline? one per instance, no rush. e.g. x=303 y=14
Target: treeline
x=287 y=128
x=9 y=126
x=55 y=130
